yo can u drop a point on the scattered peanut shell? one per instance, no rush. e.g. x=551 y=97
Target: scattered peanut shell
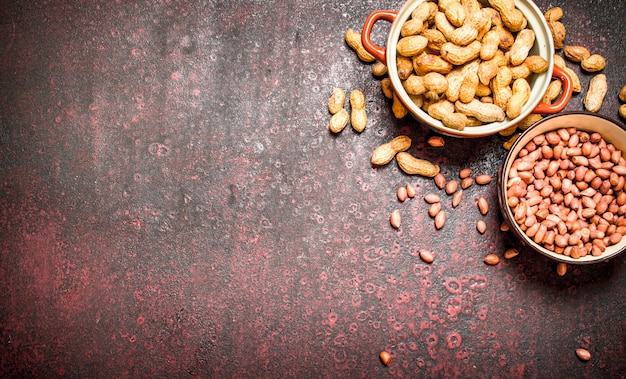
x=358 y=116
x=384 y=153
x=593 y=63
x=427 y=256
x=558 y=31
x=337 y=100
x=553 y=91
x=492 y=259
x=597 y=91
x=379 y=69
x=622 y=111
x=386 y=88
x=553 y=14
x=622 y=94
x=576 y=53
x=481 y=226
x=504 y=227
x=397 y=108
x=415 y=166
x=395 y=219
x=583 y=354
x=385 y=357
x=353 y=39
x=339 y=121
x=528 y=121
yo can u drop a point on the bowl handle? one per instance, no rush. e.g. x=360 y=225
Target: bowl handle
x=380 y=53
x=566 y=94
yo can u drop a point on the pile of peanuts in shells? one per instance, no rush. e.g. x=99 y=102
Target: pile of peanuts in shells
x=466 y=64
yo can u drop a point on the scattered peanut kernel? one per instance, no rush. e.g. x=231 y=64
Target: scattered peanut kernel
x=483 y=205
x=402 y=194
x=561 y=269
x=452 y=186
x=481 y=226
x=436 y=141
x=483 y=179
x=440 y=219
x=440 y=180
x=504 y=227
x=465 y=173
x=492 y=259
x=411 y=191
x=385 y=357
x=510 y=253
x=583 y=354
x=395 y=219
x=427 y=256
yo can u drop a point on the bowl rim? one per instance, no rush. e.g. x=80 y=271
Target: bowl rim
x=506 y=210
x=475 y=131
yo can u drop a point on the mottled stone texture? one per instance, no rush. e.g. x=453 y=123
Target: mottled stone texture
x=172 y=205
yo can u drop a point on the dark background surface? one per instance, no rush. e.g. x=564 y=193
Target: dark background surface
x=173 y=205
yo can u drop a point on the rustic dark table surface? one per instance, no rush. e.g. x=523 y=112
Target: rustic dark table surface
x=173 y=205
